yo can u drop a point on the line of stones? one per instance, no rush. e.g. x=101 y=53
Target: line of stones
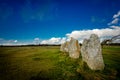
x=90 y=50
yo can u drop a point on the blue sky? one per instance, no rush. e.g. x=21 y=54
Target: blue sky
x=54 y=21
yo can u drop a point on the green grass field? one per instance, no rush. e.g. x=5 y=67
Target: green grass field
x=48 y=63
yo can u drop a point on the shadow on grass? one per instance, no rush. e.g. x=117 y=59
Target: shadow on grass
x=52 y=74
x=39 y=76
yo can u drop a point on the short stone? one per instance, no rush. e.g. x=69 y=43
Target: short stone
x=64 y=47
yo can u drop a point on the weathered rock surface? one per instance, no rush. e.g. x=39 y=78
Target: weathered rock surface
x=74 y=48
x=64 y=47
x=91 y=53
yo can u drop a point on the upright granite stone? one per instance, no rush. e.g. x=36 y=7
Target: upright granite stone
x=92 y=54
x=64 y=47
x=84 y=52
x=74 y=48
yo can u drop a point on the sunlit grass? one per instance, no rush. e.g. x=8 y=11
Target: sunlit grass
x=48 y=63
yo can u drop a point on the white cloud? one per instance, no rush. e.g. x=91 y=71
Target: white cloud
x=8 y=42
x=116 y=15
x=15 y=41
x=115 y=19
x=80 y=35
x=102 y=33
x=36 y=40
x=62 y=40
x=54 y=40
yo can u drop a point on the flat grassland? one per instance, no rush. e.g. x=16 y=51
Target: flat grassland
x=48 y=63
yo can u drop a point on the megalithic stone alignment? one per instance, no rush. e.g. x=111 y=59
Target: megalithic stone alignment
x=92 y=54
x=91 y=51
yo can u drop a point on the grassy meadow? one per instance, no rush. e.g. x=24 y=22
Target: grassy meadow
x=48 y=63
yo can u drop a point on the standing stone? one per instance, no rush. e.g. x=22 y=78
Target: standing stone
x=74 y=48
x=64 y=47
x=84 y=52
x=92 y=54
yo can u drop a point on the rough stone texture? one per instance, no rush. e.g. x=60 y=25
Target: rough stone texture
x=74 y=48
x=64 y=47
x=92 y=54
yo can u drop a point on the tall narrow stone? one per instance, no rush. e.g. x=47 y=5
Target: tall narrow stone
x=91 y=53
x=74 y=48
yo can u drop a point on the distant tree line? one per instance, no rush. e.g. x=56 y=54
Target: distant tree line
x=103 y=43
x=30 y=45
